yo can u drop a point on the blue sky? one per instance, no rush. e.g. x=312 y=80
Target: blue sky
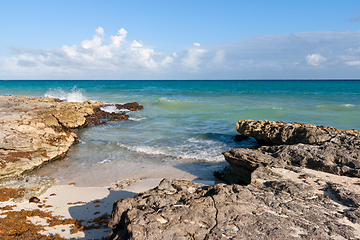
x=180 y=39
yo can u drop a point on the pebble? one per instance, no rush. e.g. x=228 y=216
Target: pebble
x=34 y=200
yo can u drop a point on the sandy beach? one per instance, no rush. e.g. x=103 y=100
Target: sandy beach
x=81 y=203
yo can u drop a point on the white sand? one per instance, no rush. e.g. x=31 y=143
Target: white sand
x=96 y=202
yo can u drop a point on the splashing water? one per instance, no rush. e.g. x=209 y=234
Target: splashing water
x=75 y=95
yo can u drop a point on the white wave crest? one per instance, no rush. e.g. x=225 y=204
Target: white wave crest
x=198 y=149
x=136 y=119
x=75 y=95
x=165 y=99
x=144 y=149
x=113 y=109
x=349 y=105
x=202 y=149
x=105 y=161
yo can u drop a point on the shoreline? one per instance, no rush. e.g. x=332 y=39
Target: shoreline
x=301 y=180
x=35 y=131
x=85 y=204
x=38 y=130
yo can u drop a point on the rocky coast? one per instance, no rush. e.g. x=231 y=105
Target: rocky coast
x=35 y=131
x=300 y=182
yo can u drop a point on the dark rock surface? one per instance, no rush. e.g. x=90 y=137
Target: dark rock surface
x=303 y=185
x=133 y=106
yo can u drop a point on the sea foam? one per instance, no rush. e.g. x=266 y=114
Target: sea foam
x=196 y=149
x=75 y=95
x=113 y=109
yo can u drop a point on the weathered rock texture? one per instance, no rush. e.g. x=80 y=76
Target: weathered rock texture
x=293 y=189
x=35 y=130
x=275 y=208
x=277 y=133
x=323 y=148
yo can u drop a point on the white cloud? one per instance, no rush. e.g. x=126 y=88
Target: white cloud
x=116 y=41
x=353 y=63
x=315 y=59
x=265 y=56
x=192 y=59
x=92 y=44
x=142 y=56
x=119 y=55
x=99 y=31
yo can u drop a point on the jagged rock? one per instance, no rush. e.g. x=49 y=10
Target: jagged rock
x=243 y=163
x=98 y=115
x=36 y=130
x=329 y=158
x=346 y=196
x=278 y=133
x=278 y=209
x=134 y=106
x=278 y=195
x=328 y=149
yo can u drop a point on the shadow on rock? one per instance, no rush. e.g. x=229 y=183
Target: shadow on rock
x=93 y=217
x=204 y=171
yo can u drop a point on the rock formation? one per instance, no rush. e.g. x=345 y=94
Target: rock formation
x=323 y=148
x=303 y=185
x=36 y=130
x=277 y=133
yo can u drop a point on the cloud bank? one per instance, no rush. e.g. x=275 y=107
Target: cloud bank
x=296 y=55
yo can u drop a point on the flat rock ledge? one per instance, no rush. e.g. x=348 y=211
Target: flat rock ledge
x=290 y=189
x=34 y=130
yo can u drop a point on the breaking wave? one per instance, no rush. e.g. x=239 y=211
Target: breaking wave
x=204 y=150
x=75 y=95
x=113 y=109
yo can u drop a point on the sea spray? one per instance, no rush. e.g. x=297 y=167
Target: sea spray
x=74 y=95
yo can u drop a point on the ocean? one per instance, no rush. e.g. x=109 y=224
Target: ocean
x=185 y=125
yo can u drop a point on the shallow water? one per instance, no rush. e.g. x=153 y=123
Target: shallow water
x=185 y=124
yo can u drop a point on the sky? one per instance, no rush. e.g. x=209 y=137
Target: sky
x=180 y=39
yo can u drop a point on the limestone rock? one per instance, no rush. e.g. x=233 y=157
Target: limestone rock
x=327 y=149
x=277 y=209
x=303 y=185
x=36 y=130
x=329 y=158
x=278 y=133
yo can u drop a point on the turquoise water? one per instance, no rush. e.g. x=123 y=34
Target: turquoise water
x=185 y=124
